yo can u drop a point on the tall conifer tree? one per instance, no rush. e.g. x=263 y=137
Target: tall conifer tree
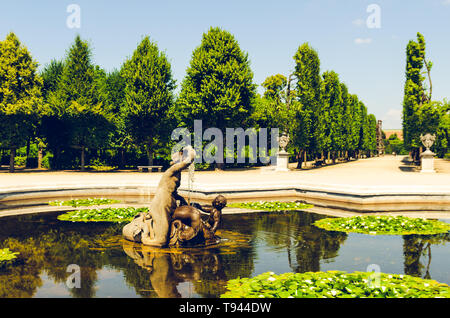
x=78 y=104
x=20 y=95
x=218 y=87
x=413 y=91
x=148 y=95
x=307 y=73
x=330 y=113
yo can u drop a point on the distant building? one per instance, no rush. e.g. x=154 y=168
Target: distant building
x=390 y=132
x=380 y=144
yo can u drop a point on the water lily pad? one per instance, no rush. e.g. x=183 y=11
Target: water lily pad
x=384 y=225
x=83 y=202
x=102 y=215
x=271 y=205
x=335 y=284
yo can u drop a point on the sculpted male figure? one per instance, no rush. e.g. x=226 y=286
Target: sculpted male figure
x=153 y=228
x=215 y=213
x=189 y=228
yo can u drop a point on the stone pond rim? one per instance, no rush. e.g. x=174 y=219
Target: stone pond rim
x=330 y=196
x=381 y=184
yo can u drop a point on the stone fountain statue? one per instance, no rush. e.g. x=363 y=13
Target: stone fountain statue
x=170 y=224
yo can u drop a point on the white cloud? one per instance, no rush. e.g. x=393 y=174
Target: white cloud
x=363 y=41
x=396 y=113
x=360 y=22
x=446 y=2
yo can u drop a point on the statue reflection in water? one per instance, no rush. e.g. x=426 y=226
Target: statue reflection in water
x=168 y=268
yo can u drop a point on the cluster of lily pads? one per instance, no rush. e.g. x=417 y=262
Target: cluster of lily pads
x=384 y=225
x=271 y=205
x=117 y=215
x=127 y=214
x=83 y=202
x=335 y=284
x=7 y=256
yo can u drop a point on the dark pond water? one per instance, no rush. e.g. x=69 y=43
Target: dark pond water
x=252 y=244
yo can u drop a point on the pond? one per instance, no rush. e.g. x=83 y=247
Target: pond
x=251 y=244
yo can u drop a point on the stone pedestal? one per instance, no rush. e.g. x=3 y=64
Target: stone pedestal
x=282 y=161
x=427 y=161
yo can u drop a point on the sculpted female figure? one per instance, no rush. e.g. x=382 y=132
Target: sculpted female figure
x=153 y=228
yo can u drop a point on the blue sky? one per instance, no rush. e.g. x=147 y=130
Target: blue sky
x=371 y=61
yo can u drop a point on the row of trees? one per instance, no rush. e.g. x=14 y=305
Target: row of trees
x=74 y=107
x=317 y=110
x=422 y=115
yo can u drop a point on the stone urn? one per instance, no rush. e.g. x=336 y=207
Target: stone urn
x=283 y=155
x=427 y=157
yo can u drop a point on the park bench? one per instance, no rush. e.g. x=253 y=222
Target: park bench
x=149 y=168
x=319 y=163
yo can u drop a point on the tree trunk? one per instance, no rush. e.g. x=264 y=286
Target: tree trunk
x=419 y=152
x=149 y=154
x=82 y=158
x=305 y=157
x=122 y=159
x=300 y=158
x=28 y=153
x=11 y=159
x=56 y=159
x=39 y=158
x=415 y=154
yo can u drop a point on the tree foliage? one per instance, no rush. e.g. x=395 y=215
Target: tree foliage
x=78 y=109
x=414 y=91
x=309 y=81
x=319 y=113
x=218 y=87
x=421 y=115
x=148 y=94
x=20 y=95
x=85 y=112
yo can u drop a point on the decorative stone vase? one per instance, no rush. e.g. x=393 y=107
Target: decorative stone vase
x=283 y=155
x=427 y=157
